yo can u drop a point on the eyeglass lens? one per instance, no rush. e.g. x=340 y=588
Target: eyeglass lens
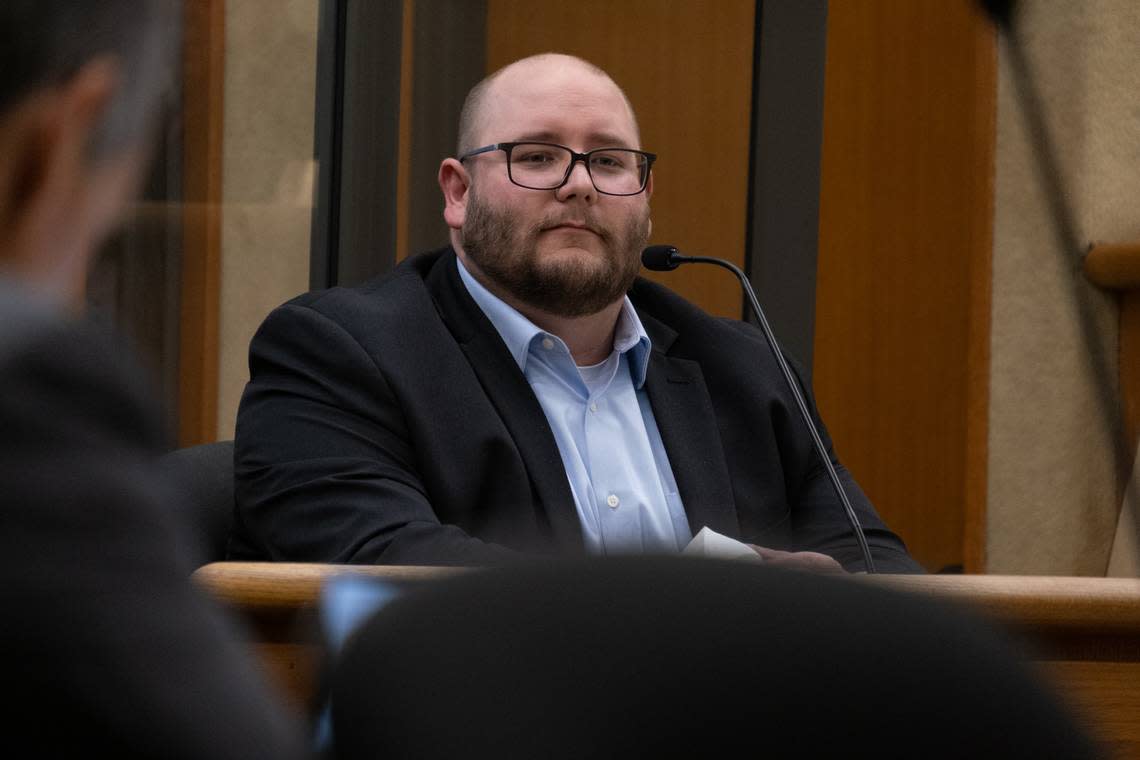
x=542 y=167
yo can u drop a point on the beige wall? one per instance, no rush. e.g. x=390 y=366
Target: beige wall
x=268 y=173
x=1053 y=496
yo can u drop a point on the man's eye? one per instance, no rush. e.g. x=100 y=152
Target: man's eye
x=535 y=157
x=607 y=161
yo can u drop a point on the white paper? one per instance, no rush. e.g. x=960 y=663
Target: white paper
x=709 y=543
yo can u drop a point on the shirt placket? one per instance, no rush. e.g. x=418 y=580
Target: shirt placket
x=617 y=513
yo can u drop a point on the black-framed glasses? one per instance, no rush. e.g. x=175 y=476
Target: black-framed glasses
x=547 y=166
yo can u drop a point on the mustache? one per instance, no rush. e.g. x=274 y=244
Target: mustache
x=586 y=221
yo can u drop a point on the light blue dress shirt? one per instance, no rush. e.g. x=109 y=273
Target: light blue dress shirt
x=616 y=464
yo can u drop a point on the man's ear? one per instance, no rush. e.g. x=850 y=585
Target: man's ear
x=648 y=193
x=58 y=202
x=62 y=123
x=454 y=181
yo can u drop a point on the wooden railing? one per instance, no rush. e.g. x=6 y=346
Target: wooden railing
x=1084 y=632
x=1116 y=267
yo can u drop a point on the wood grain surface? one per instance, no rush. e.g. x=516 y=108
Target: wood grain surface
x=202 y=112
x=903 y=289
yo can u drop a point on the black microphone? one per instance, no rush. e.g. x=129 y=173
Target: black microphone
x=666 y=258
x=999 y=11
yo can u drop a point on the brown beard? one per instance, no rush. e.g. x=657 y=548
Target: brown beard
x=506 y=253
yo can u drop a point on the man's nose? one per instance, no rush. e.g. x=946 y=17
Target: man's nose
x=578 y=184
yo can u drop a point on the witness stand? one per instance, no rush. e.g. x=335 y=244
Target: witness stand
x=1084 y=633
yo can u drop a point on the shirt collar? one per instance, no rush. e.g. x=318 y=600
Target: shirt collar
x=518 y=332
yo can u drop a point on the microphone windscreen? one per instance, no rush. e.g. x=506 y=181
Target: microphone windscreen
x=999 y=11
x=659 y=258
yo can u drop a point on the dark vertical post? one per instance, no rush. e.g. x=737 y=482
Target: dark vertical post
x=450 y=58
x=370 y=140
x=790 y=51
x=357 y=140
x=325 y=230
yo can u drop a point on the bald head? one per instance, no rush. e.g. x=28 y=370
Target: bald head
x=485 y=97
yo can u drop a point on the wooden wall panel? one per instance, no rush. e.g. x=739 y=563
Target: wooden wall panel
x=687 y=67
x=902 y=300
x=202 y=103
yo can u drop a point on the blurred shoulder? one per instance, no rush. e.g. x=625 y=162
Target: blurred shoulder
x=64 y=376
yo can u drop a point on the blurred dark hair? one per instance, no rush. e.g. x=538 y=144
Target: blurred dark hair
x=43 y=42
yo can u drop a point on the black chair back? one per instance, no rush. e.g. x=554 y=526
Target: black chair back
x=204 y=476
x=674 y=657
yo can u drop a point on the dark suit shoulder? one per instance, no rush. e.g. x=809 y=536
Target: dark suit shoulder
x=388 y=292
x=683 y=329
x=386 y=321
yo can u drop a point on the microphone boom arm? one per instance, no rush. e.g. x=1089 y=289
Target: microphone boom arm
x=672 y=260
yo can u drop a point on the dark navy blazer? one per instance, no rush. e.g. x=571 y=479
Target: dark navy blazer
x=389 y=424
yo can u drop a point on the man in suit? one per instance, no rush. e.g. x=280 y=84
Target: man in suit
x=108 y=647
x=522 y=392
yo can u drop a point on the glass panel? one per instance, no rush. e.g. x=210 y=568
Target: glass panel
x=221 y=233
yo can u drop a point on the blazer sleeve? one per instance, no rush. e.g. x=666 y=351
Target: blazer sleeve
x=107 y=642
x=325 y=463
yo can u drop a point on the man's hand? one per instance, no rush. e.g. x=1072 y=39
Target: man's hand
x=810 y=561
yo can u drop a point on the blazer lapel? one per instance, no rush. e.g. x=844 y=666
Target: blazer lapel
x=684 y=414
x=513 y=398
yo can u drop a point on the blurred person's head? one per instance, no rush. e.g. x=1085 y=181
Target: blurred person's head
x=81 y=83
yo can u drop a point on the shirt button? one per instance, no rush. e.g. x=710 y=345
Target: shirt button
x=613 y=501
x=593 y=407
x=547 y=343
